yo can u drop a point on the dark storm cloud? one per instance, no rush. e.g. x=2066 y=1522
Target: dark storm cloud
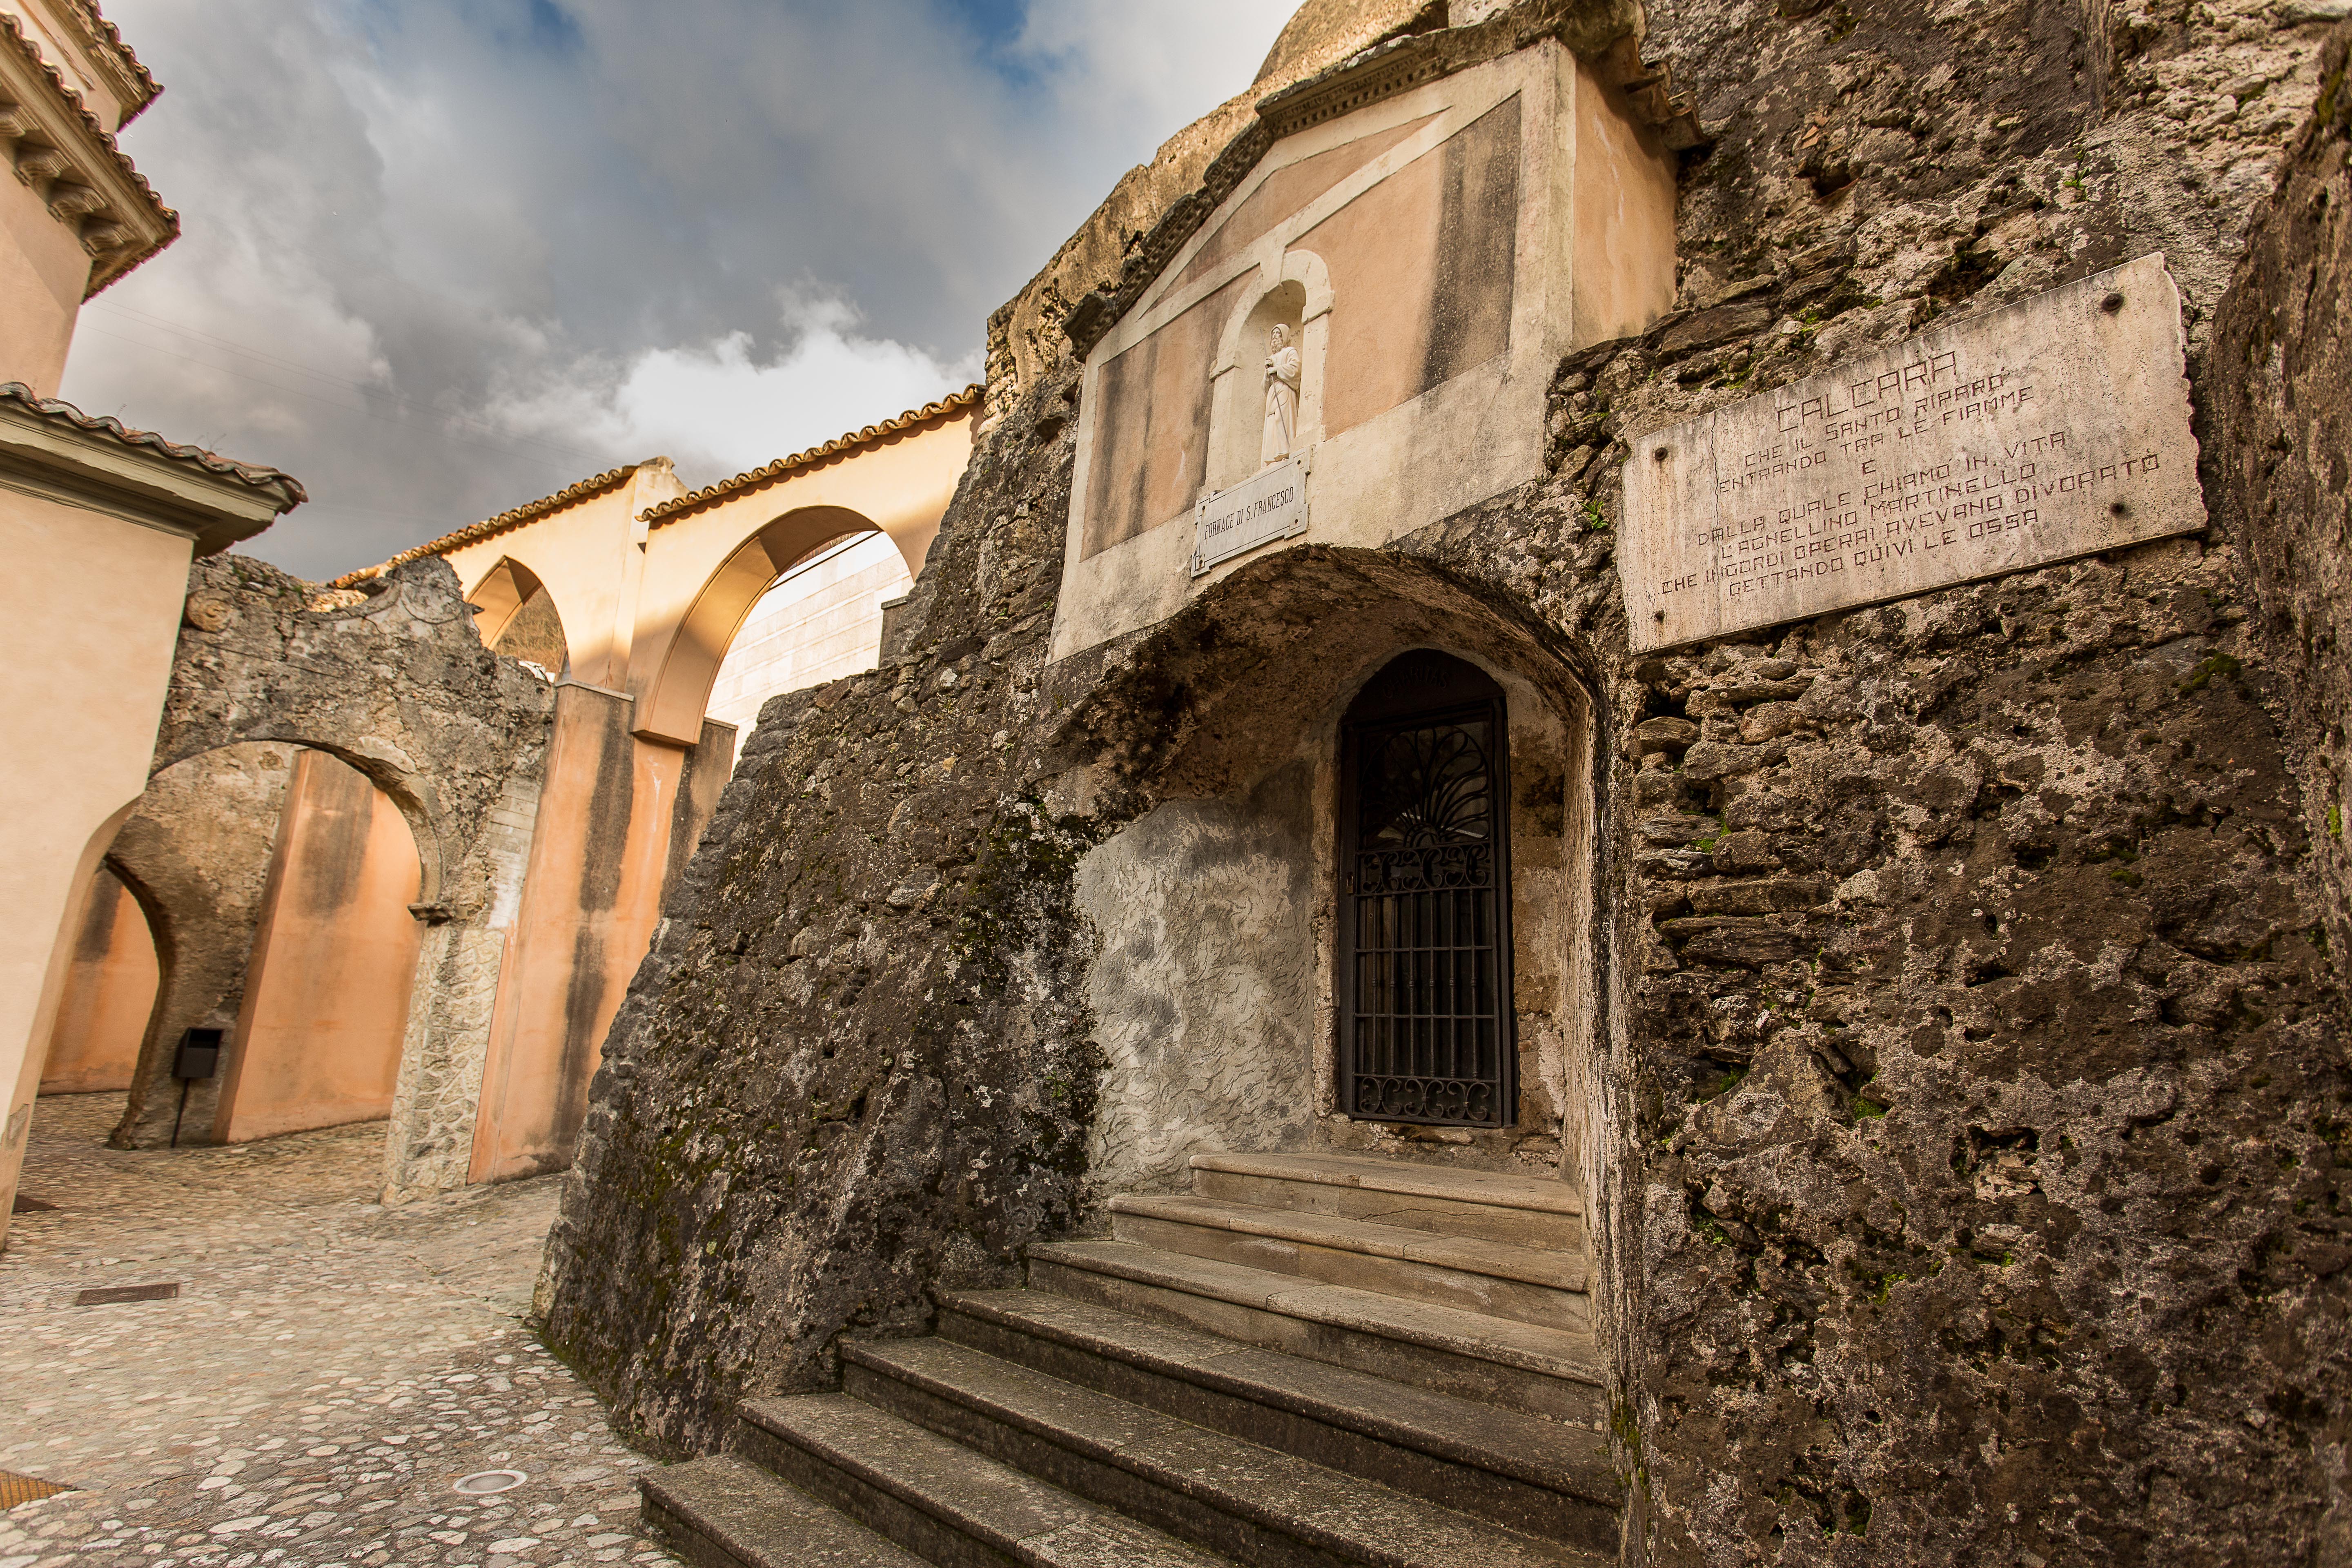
x=443 y=256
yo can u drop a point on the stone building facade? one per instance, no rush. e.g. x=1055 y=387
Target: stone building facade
x=1930 y=1008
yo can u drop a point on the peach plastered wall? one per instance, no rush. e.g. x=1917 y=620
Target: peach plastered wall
x=108 y=996
x=326 y=995
x=1435 y=251
x=96 y=663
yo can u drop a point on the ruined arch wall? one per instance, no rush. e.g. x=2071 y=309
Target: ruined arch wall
x=399 y=686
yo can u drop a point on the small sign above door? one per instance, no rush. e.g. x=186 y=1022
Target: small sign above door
x=1271 y=504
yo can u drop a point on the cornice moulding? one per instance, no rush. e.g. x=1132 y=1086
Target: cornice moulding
x=92 y=187
x=82 y=464
x=504 y=523
x=103 y=43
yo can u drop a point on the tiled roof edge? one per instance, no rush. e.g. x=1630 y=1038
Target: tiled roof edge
x=108 y=273
x=58 y=412
x=840 y=446
x=111 y=35
x=505 y=523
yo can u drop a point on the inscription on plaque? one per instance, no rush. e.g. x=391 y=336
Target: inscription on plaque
x=2056 y=427
x=1271 y=504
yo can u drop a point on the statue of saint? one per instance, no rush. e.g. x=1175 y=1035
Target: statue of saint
x=1282 y=372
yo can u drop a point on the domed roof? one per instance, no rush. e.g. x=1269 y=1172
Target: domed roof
x=1324 y=32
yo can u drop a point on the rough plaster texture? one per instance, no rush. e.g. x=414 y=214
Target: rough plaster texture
x=195 y=854
x=1205 y=990
x=1959 y=1103
x=110 y=996
x=399 y=686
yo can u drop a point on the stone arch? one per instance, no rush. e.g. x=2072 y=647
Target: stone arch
x=399 y=686
x=673 y=700
x=1215 y=742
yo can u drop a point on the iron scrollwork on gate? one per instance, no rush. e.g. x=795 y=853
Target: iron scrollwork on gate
x=1427 y=1031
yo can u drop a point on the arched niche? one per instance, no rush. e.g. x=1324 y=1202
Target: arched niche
x=671 y=705
x=1298 y=297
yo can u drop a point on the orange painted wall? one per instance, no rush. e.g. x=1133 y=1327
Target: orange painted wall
x=611 y=817
x=109 y=991
x=326 y=999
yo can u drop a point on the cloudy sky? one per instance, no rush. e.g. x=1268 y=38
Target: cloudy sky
x=442 y=257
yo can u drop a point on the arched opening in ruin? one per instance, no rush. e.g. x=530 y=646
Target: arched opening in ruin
x=517 y=616
x=797 y=604
x=109 y=991
x=1224 y=975
x=278 y=883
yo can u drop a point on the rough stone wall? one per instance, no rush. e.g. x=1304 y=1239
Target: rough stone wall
x=1962 y=1115
x=857 y=1063
x=1981 y=1032
x=393 y=681
x=195 y=854
x=2281 y=417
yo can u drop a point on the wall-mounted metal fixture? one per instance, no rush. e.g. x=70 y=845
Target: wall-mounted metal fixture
x=198 y=1058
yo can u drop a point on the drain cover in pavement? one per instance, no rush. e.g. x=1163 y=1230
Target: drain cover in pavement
x=30 y=1206
x=482 y=1483
x=15 y=1490
x=107 y=1294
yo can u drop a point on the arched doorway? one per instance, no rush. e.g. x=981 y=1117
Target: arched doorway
x=109 y=991
x=1426 y=1035
x=279 y=882
x=1234 y=1006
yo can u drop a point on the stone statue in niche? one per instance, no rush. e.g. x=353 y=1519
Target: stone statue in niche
x=1282 y=369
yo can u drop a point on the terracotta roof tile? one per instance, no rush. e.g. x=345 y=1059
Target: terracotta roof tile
x=109 y=271
x=15 y=394
x=107 y=34
x=840 y=446
x=782 y=467
x=506 y=522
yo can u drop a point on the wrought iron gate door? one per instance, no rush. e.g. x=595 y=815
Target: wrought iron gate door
x=1426 y=1016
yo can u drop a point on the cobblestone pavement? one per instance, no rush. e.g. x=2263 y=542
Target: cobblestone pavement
x=329 y=1370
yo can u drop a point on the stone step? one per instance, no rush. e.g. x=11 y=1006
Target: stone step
x=1526 y=1284
x=947 y=1504
x=1519 y=1470
x=726 y=1513
x=1546 y=1372
x=1245 y=1501
x=1522 y=1211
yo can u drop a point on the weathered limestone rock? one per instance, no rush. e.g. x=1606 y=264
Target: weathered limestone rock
x=1959 y=1125
x=2282 y=425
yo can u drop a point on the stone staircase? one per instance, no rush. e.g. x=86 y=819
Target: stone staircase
x=1311 y=1360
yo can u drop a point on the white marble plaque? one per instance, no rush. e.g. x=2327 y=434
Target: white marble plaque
x=2055 y=428
x=1271 y=504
